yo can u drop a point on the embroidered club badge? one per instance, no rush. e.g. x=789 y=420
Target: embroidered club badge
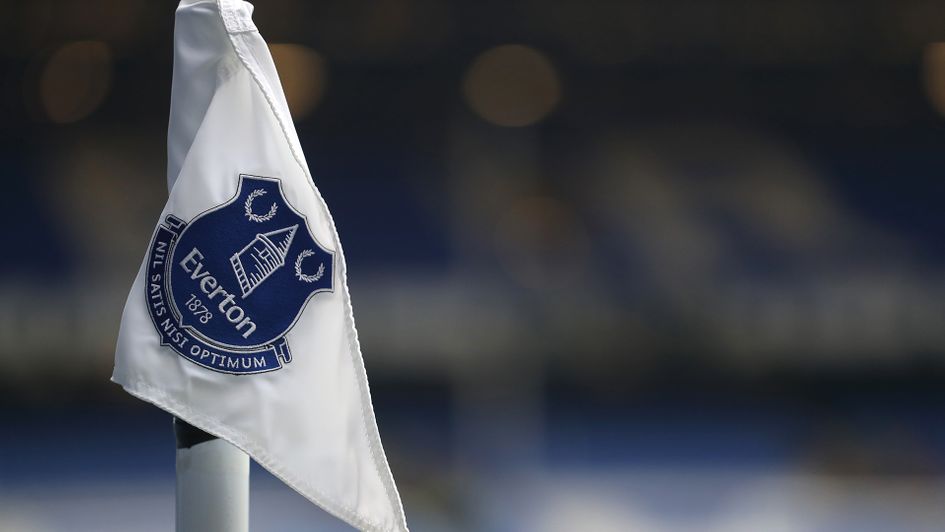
x=225 y=288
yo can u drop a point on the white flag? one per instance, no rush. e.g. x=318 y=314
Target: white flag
x=239 y=321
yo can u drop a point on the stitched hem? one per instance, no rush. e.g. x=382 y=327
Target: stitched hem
x=354 y=349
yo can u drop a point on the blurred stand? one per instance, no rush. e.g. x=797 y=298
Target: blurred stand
x=617 y=265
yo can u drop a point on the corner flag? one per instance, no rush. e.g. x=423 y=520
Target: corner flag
x=239 y=321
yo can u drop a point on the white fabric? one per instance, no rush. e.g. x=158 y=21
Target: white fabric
x=310 y=423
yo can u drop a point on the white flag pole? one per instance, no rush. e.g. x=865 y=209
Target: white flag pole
x=212 y=482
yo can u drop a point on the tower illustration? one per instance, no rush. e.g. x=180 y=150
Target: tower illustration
x=260 y=258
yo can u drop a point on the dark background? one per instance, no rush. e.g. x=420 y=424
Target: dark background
x=615 y=265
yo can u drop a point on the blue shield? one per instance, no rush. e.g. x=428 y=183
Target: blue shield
x=236 y=279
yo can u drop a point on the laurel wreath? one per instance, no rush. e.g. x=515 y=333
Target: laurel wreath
x=298 y=268
x=249 y=207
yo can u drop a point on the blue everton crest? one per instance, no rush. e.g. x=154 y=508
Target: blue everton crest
x=225 y=288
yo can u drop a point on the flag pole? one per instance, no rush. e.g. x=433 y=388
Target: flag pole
x=212 y=482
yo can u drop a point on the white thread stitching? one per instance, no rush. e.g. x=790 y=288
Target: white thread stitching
x=248 y=207
x=354 y=347
x=298 y=268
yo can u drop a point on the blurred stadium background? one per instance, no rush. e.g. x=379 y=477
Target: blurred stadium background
x=616 y=265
